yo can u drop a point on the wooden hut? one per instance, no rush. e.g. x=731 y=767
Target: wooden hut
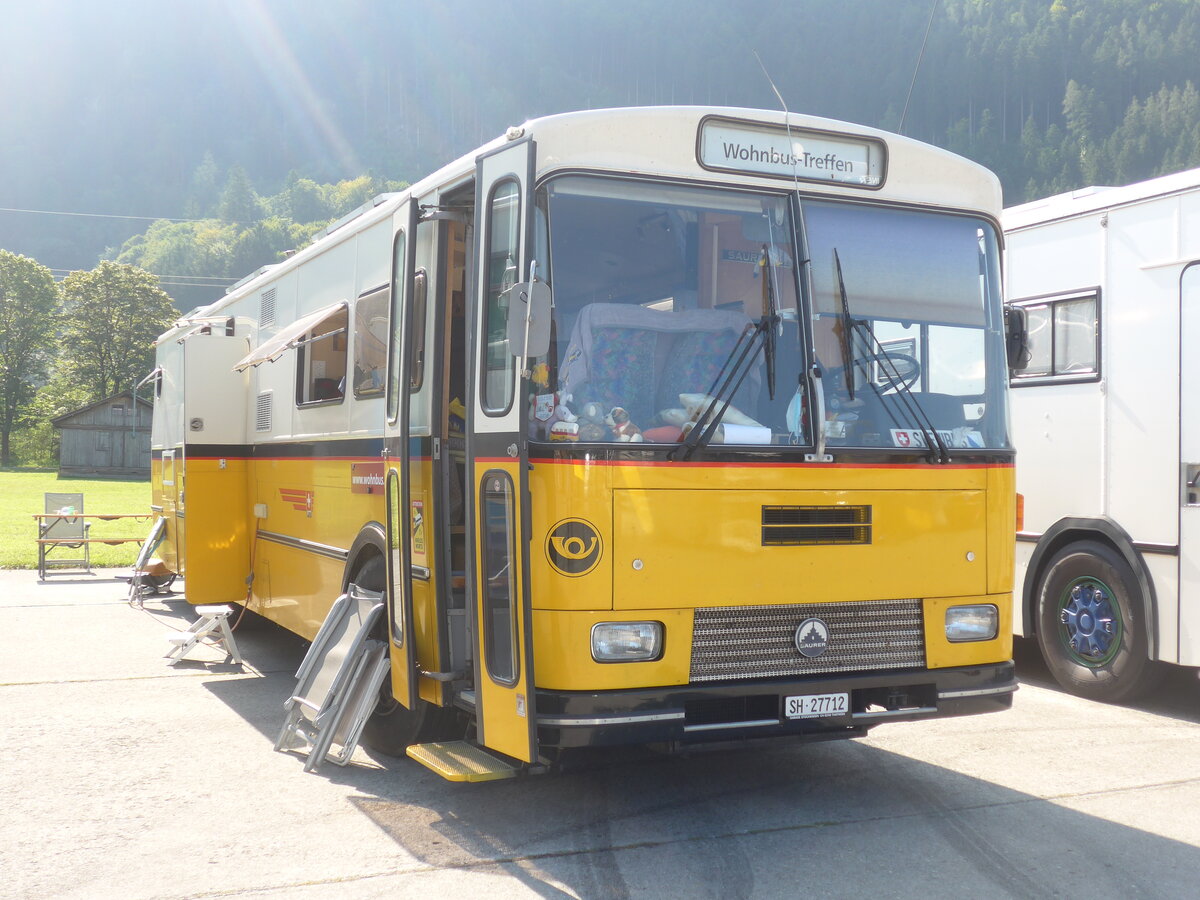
x=106 y=438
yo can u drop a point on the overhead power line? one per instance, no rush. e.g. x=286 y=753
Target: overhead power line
x=215 y=278
x=171 y=281
x=54 y=212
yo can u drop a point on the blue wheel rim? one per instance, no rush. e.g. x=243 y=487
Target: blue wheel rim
x=1090 y=622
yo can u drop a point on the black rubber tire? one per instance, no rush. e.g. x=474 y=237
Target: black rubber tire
x=1093 y=584
x=392 y=728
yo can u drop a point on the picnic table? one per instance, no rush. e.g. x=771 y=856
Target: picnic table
x=67 y=529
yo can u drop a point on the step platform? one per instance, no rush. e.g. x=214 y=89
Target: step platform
x=212 y=627
x=462 y=761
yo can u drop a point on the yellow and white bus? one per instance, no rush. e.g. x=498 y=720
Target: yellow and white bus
x=661 y=425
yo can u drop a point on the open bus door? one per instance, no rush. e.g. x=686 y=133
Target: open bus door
x=497 y=474
x=1189 y=447
x=401 y=528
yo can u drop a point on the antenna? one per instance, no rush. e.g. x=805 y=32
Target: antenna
x=771 y=82
x=787 y=117
x=917 y=67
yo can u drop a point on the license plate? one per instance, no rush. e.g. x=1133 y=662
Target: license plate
x=816 y=706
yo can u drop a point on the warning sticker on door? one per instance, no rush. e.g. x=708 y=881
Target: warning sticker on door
x=418 y=527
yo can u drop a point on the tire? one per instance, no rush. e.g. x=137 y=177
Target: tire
x=1091 y=625
x=392 y=727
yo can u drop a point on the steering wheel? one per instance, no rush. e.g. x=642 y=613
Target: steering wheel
x=907 y=372
x=899 y=372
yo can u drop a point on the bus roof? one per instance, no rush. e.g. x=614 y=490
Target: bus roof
x=1096 y=198
x=663 y=141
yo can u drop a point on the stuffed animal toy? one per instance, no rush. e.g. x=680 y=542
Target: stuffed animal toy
x=592 y=427
x=622 y=429
x=564 y=431
x=548 y=411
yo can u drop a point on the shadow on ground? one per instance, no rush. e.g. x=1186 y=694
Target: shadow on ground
x=774 y=820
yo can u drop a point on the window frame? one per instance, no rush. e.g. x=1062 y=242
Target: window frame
x=356 y=337
x=396 y=321
x=1019 y=379
x=301 y=346
x=502 y=490
x=485 y=398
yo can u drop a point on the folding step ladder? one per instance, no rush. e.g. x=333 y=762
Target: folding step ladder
x=337 y=684
x=213 y=625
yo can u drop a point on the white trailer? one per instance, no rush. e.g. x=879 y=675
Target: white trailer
x=1105 y=424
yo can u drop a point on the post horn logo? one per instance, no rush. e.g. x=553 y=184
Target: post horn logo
x=573 y=547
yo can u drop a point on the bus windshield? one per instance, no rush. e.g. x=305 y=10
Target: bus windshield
x=907 y=326
x=658 y=290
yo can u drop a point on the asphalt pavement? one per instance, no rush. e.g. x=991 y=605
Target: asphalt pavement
x=124 y=776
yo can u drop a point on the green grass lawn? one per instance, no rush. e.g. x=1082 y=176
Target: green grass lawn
x=21 y=496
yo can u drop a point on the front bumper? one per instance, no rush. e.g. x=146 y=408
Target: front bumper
x=754 y=708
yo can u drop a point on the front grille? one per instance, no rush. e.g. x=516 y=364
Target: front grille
x=733 y=642
x=790 y=526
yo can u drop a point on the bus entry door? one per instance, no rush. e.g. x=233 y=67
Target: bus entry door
x=405 y=521
x=1189 y=476
x=498 y=479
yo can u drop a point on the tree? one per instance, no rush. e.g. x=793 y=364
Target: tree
x=112 y=316
x=239 y=202
x=29 y=310
x=204 y=194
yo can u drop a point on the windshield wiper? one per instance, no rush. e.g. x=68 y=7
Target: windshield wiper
x=902 y=385
x=875 y=352
x=845 y=326
x=737 y=366
x=770 y=320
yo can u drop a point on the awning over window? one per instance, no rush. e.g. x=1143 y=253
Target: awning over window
x=287 y=338
x=156 y=372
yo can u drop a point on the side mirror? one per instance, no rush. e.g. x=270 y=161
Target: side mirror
x=1016 y=338
x=529 y=306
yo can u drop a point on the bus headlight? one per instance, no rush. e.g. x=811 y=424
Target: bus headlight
x=972 y=623
x=627 y=641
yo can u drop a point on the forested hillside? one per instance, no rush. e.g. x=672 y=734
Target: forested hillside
x=200 y=111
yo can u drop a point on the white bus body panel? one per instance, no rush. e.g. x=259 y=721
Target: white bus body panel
x=167 y=423
x=214 y=407
x=1112 y=447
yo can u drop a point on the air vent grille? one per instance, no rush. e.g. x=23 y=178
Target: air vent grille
x=735 y=642
x=263 y=411
x=789 y=526
x=266 y=307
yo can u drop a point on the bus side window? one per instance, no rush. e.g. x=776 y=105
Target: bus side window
x=321 y=361
x=370 y=342
x=503 y=237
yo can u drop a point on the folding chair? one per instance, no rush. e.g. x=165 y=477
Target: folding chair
x=338 y=682
x=63 y=526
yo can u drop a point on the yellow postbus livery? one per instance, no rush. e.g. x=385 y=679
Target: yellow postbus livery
x=663 y=425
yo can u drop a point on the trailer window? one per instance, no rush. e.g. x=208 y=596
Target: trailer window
x=321 y=361
x=1064 y=338
x=370 y=342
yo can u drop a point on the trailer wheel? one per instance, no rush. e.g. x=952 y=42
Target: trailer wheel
x=1091 y=628
x=392 y=727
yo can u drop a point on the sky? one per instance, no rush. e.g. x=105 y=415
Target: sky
x=107 y=107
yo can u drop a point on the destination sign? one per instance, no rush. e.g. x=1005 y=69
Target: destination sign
x=807 y=155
